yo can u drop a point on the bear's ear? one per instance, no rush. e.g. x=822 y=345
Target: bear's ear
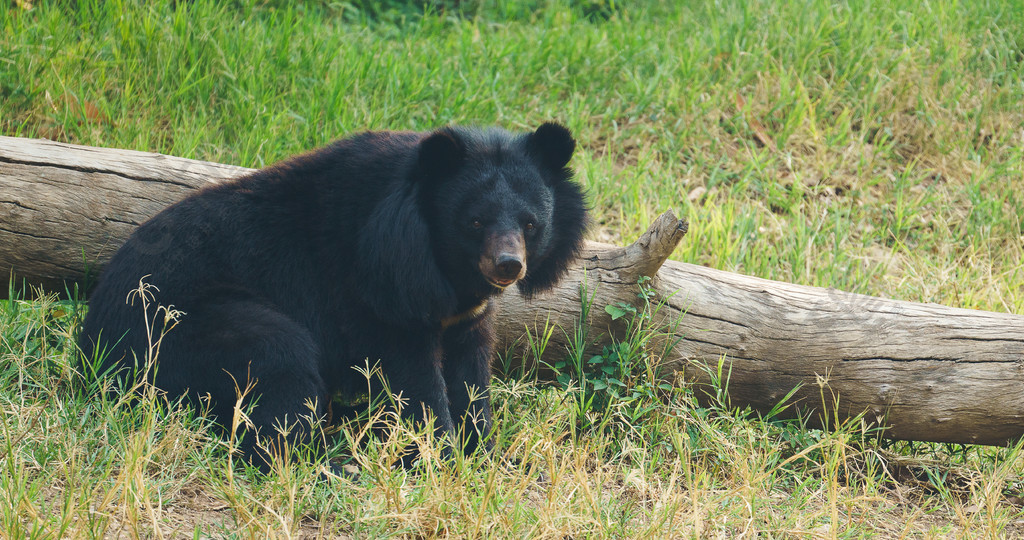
x=552 y=144
x=441 y=154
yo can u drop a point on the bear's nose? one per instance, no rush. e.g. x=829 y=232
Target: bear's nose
x=508 y=266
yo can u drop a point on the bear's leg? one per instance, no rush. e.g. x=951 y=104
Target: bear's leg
x=411 y=363
x=225 y=344
x=468 y=348
x=287 y=414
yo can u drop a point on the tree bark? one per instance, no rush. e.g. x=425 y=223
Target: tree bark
x=927 y=372
x=65 y=209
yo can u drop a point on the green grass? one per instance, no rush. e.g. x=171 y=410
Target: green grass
x=875 y=147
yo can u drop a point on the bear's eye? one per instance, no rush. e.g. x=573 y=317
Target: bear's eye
x=529 y=226
x=477 y=224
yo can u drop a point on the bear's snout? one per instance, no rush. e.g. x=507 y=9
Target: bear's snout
x=504 y=258
x=509 y=266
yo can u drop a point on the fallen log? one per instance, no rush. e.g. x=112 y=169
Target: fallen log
x=927 y=372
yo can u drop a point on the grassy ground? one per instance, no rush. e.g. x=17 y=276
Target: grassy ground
x=872 y=147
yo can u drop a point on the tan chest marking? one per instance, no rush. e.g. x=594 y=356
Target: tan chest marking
x=467 y=315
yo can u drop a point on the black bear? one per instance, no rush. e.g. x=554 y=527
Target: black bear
x=383 y=246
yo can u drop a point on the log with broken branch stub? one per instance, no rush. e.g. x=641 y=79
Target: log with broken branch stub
x=927 y=372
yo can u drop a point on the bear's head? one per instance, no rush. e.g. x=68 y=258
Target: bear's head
x=502 y=209
x=480 y=210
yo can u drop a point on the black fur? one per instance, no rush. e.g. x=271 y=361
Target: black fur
x=369 y=248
